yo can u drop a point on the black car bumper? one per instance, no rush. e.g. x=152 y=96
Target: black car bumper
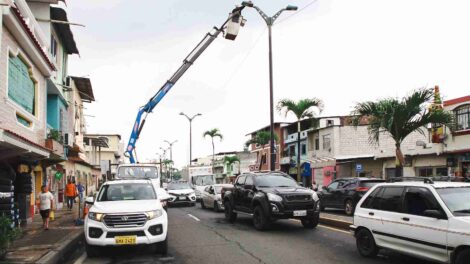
x=294 y=210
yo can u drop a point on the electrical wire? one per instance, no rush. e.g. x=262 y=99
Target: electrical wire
x=296 y=13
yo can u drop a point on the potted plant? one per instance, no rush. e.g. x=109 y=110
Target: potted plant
x=9 y=233
x=55 y=135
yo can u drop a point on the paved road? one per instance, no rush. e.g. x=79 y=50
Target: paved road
x=202 y=236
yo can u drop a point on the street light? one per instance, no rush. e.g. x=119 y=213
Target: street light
x=171 y=155
x=190 y=119
x=269 y=22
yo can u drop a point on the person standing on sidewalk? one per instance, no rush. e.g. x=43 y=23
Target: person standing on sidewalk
x=80 y=189
x=46 y=204
x=70 y=194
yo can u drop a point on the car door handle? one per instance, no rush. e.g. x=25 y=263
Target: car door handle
x=371 y=213
x=405 y=219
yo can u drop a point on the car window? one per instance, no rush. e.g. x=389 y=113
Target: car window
x=417 y=200
x=333 y=185
x=369 y=201
x=275 y=180
x=390 y=199
x=178 y=186
x=350 y=185
x=249 y=180
x=457 y=199
x=240 y=180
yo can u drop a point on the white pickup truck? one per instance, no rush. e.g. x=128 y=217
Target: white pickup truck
x=144 y=171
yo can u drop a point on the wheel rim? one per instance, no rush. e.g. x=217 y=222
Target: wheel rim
x=365 y=242
x=349 y=208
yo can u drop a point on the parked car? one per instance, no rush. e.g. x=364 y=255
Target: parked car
x=125 y=212
x=428 y=220
x=181 y=193
x=211 y=196
x=268 y=196
x=345 y=193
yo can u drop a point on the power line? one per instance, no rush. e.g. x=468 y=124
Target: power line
x=299 y=11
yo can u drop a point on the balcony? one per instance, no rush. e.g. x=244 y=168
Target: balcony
x=57 y=149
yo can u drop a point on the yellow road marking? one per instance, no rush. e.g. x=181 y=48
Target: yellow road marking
x=327 y=227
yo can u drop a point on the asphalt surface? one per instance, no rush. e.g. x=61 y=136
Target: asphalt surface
x=203 y=236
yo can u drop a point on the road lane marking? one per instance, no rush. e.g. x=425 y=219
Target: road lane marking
x=327 y=227
x=193 y=217
x=81 y=259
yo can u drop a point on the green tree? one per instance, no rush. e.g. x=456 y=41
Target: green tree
x=213 y=133
x=230 y=160
x=167 y=163
x=261 y=138
x=400 y=117
x=302 y=109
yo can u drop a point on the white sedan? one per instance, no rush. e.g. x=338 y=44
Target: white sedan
x=211 y=196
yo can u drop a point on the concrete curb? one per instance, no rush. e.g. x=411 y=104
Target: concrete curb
x=67 y=247
x=340 y=224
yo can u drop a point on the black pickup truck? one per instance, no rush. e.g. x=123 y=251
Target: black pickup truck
x=268 y=196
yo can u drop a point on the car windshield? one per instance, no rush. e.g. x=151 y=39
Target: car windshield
x=178 y=186
x=203 y=180
x=456 y=199
x=126 y=191
x=275 y=181
x=137 y=172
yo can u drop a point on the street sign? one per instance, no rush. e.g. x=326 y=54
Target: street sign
x=358 y=167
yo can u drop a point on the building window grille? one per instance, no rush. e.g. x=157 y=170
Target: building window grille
x=463 y=117
x=326 y=142
x=21 y=85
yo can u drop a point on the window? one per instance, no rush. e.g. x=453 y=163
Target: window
x=462 y=116
x=424 y=172
x=391 y=199
x=369 y=201
x=333 y=185
x=441 y=171
x=291 y=150
x=53 y=47
x=317 y=143
x=326 y=142
x=241 y=180
x=304 y=149
x=417 y=200
x=21 y=85
x=249 y=180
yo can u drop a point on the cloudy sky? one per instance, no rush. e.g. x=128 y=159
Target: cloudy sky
x=340 y=51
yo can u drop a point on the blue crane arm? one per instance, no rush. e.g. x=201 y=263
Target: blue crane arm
x=187 y=63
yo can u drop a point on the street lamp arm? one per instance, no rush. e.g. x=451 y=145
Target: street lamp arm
x=273 y=18
x=263 y=15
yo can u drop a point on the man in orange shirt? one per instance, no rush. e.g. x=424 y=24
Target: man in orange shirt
x=70 y=193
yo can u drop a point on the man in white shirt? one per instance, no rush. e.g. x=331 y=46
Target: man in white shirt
x=46 y=202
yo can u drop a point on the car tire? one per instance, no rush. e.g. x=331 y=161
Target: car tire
x=203 y=206
x=462 y=257
x=229 y=214
x=309 y=223
x=260 y=220
x=322 y=207
x=216 y=207
x=6 y=188
x=4 y=181
x=162 y=247
x=349 y=207
x=365 y=243
x=91 y=251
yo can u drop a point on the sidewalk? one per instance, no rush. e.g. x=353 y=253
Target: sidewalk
x=47 y=246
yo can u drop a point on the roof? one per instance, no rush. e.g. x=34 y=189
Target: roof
x=103 y=135
x=26 y=140
x=457 y=100
x=20 y=17
x=63 y=30
x=263 y=128
x=84 y=87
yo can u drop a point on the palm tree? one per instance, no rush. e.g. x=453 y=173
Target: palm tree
x=302 y=109
x=167 y=163
x=399 y=118
x=229 y=160
x=261 y=138
x=213 y=133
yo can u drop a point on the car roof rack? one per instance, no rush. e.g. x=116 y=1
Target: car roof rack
x=428 y=180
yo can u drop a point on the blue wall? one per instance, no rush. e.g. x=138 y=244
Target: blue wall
x=54 y=104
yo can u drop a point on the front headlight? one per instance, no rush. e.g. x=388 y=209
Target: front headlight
x=95 y=216
x=154 y=214
x=274 y=197
x=315 y=196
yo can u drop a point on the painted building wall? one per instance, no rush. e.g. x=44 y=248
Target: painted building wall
x=8 y=108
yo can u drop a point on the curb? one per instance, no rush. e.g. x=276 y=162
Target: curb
x=67 y=247
x=340 y=224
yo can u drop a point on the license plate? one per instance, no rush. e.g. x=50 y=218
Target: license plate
x=126 y=240
x=300 y=213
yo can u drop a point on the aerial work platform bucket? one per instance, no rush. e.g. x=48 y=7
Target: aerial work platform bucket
x=233 y=26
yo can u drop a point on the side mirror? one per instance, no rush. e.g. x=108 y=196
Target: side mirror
x=434 y=214
x=90 y=200
x=324 y=188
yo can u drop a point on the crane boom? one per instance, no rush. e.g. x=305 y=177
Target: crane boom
x=236 y=17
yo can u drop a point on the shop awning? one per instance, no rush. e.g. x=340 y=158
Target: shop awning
x=13 y=145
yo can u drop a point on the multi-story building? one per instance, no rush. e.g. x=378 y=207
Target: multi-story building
x=104 y=152
x=263 y=152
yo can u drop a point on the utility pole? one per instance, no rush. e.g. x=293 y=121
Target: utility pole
x=171 y=156
x=190 y=119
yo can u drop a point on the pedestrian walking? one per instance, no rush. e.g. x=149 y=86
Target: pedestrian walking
x=46 y=204
x=80 y=189
x=70 y=194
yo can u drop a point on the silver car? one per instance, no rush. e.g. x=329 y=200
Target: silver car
x=211 y=196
